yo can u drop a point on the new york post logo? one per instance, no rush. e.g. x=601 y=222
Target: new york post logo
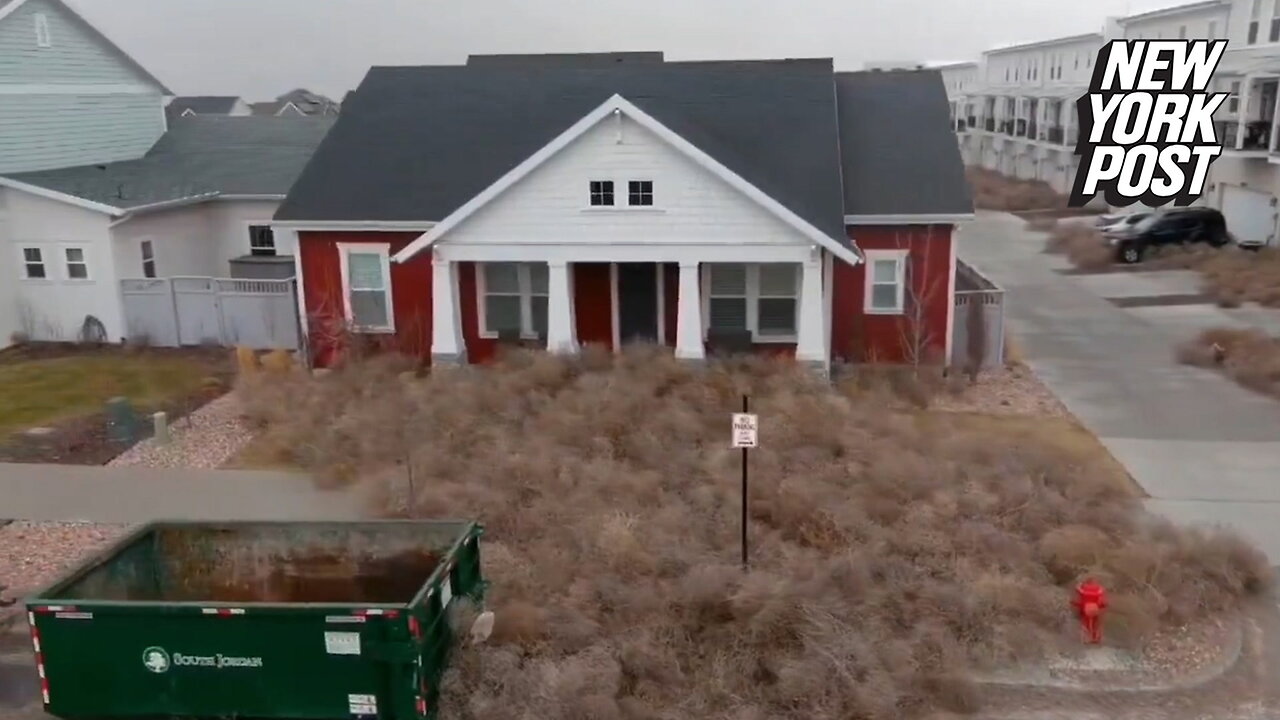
x=1146 y=124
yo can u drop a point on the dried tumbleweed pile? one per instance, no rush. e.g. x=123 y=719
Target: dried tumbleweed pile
x=889 y=558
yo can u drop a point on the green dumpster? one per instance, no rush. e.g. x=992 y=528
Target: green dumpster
x=259 y=620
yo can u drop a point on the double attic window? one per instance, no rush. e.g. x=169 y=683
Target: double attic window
x=639 y=193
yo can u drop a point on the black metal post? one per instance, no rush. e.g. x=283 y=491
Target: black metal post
x=745 y=409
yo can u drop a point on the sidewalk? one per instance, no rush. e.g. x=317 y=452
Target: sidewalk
x=128 y=495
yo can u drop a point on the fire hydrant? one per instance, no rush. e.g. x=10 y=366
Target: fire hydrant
x=1090 y=601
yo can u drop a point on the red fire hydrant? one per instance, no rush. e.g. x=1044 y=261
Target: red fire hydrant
x=1090 y=601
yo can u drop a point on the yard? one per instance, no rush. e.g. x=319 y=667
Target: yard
x=64 y=389
x=896 y=551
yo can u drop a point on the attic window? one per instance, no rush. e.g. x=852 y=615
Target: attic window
x=43 y=38
x=601 y=193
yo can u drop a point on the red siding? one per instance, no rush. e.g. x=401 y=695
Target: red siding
x=593 y=303
x=894 y=338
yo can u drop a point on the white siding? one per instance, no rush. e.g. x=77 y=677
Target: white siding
x=691 y=205
x=55 y=308
x=8 y=275
x=75 y=55
x=231 y=221
x=1196 y=23
x=182 y=239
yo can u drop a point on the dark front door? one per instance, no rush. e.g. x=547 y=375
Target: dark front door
x=637 y=302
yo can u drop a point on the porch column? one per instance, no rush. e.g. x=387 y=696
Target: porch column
x=446 y=324
x=689 y=344
x=1246 y=87
x=811 y=341
x=561 y=334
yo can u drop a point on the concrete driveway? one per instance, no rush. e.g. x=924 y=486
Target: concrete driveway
x=1205 y=449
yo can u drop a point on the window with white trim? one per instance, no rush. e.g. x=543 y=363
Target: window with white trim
x=77 y=264
x=640 y=193
x=366 y=281
x=886 y=282
x=33 y=264
x=761 y=298
x=1255 y=17
x=262 y=241
x=148 y=259
x=601 y=193
x=43 y=38
x=513 y=299
x=1233 y=98
x=1274 y=32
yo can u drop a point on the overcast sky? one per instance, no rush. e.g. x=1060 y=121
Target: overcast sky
x=258 y=49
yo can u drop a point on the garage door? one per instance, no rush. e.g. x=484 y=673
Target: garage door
x=1250 y=214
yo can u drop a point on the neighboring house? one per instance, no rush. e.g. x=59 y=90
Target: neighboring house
x=276 y=108
x=881 y=65
x=70 y=95
x=309 y=103
x=183 y=107
x=198 y=203
x=773 y=204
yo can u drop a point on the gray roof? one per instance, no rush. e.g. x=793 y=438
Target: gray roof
x=202 y=105
x=900 y=153
x=416 y=143
x=555 y=59
x=200 y=155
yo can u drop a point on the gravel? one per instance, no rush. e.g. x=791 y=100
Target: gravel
x=207 y=438
x=32 y=554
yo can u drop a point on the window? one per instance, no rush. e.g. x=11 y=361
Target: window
x=77 y=265
x=514 y=297
x=1274 y=33
x=33 y=263
x=640 y=193
x=886 y=282
x=760 y=298
x=1212 y=33
x=1254 y=16
x=366 y=279
x=262 y=241
x=43 y=38
x=1233 y=99
x=601 y=193
x=148 y=259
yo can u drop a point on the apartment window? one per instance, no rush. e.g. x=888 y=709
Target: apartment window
x=33 y=263
x=148 y=259
x=1212 y=32
x=514 y=297
x=76 y=264
x=763 y=298
x=1274 y=33
x=601 y=193
x=366 y=281
x=887 y=282
x=1255 y=15
x=1006 y=74
x=262 y=241
x=1233 y=98
x=640 y=193
x=43 y=38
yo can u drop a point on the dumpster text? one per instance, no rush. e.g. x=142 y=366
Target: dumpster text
x=215 y=661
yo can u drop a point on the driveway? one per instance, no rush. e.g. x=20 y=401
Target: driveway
x=1205 y=449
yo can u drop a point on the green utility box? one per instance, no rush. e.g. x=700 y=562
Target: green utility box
x=258 y=620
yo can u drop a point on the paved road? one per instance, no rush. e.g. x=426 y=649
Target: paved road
x=1205 y=449
x=127 y=495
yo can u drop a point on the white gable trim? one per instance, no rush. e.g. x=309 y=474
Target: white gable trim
x=613 y=106
x=908 y=219
x=287 y=105
x=60 y=197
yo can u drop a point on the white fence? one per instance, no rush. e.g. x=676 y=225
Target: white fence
x=979 y=320
x=171 y=312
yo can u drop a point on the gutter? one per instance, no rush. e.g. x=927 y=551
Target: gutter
x=132 y=212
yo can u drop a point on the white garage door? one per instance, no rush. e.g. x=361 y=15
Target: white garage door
x=1250 y=214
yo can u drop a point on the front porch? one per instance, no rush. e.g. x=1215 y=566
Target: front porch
x=770 y=299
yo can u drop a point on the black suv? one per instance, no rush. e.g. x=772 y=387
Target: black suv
x=1171 y=227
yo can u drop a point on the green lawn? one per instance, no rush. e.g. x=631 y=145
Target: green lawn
x=44 y=391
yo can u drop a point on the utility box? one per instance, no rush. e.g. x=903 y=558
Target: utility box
x=262 y=620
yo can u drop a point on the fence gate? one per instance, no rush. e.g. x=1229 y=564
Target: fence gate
x=978 y=327
x=261 y=314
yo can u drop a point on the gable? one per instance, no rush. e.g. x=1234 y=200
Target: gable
x=77 y=53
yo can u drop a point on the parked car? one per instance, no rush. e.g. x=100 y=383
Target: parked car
x=1121 y=222
x=1171 y=227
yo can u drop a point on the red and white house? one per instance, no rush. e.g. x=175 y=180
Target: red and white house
x=566 y=200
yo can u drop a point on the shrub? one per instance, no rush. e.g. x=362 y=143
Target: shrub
x=993 y=191
x=1083 y=245
x=889 y=556
x=1250 y=357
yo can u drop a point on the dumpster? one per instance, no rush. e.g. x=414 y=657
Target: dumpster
x=259 y=620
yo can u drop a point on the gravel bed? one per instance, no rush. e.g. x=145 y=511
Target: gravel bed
x=207 y=438
x=32 y=554
x=1007 y=391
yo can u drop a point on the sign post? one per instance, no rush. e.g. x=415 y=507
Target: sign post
x=746 y=435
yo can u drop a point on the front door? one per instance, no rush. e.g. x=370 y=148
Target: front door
x=637 y=302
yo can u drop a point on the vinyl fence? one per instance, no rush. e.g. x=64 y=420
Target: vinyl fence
x=979 y=320
x=172 y=312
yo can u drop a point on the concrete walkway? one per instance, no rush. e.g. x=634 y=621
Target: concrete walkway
x=128 y=495
x=1205 y=449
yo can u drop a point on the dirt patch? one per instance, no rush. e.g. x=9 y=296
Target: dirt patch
x=993 y=191
x=1011 y=390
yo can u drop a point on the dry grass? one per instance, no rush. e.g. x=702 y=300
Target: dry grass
x=1250 y=357
x=1234 y=276
x=1083 y=245
x=993 y=191
x=891 y=552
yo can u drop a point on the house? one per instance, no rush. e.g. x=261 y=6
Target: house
x=71 y=96
x=769 y=205
x=276 y=108
x=309 y=103
x=182 y=107
x=199 y=203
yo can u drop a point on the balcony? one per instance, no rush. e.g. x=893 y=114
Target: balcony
x=1073 y=136
x=1257 y=135
x=1226 y=131
x=1054 y=134
x=1020 y=128
x=1006 y=127
x=973 y=120
x=1031 y=130
x=989 y=124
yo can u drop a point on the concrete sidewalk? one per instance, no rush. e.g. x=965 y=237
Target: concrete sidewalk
x=1204 y=448
x=128 y=495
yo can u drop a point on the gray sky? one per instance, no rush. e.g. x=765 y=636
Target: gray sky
x=260 y=48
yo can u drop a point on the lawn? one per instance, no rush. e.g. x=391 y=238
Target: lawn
x=44 y=391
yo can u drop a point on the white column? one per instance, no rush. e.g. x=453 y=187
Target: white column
x=689 y=315
x=446 y=323
x=1246 y=89
x=562 y=336
x=811 y=343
